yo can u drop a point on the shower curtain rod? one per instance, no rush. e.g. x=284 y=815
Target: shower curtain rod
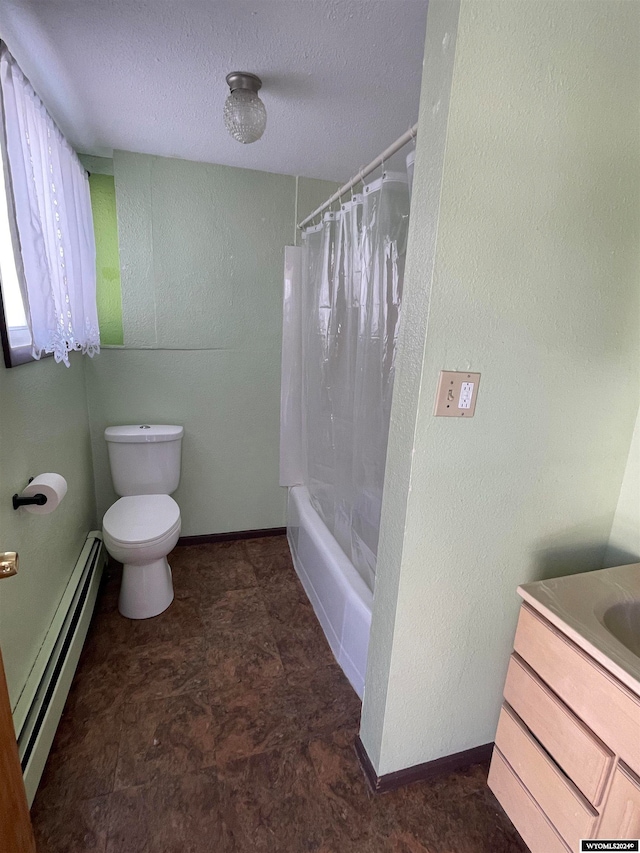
x=379 y=160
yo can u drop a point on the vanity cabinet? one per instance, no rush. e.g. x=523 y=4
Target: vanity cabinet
x=621 y=818
x=566 y=762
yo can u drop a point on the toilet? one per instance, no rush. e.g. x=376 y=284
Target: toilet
x=143 y=526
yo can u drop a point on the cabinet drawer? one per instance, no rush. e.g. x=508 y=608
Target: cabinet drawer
x=621 y=815
x=558 y=798
x=536 y=831
x=585 y=760
x=600 y=700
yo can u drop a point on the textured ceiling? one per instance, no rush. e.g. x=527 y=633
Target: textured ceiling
x=341 y=79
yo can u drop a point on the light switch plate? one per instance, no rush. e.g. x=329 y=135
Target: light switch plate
x=456 y=395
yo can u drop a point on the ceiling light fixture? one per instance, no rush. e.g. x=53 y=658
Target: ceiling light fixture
x=245 y=116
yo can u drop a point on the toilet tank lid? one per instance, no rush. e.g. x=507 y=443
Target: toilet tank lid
x=138 y=433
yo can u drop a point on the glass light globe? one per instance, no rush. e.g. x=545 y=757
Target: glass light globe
x=245 y=116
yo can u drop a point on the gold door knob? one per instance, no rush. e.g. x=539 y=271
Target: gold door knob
x=8 y=564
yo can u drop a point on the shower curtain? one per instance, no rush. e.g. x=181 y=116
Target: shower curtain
x=352 y=275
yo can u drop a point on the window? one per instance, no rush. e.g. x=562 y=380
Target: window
x=48 y=223
x=16 y=337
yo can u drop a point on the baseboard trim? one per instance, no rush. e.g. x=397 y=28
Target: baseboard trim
x=207 y=538
x=50 y=679
x=420 y=772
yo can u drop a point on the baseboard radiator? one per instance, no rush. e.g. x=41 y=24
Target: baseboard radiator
x=39 y=707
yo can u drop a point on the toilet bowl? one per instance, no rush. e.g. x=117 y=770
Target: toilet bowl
x=139 y=531
x=143 y=526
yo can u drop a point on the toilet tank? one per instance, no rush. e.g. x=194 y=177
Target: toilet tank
x=144 y=458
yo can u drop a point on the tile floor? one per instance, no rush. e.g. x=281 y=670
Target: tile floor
x=225 y=725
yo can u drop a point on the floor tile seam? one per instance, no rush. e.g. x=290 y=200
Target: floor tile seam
x=208 y=602
x=241 y=621
x=294 y=631
x=117 y=761
x=130 y=702
x=154 y=781
x=77 y=795
x=129 y=695
x=290 y=624
x=271 y=659
x=233 y=588
x=161 y=779
x=223 y=766
x=213 y=568
x=69 y=797
x=122 y=647
x=292 y=597
x=295 y=671
x=212 y=638
x=203 y=690
x=288 y=669
x=105 y=826
x=91 y=683
x=298 y=669
x=309 y=622
x=154 y=643
x=76 y=721
x=277 y=568
x=230 y=632
x=220 y=594
x=230 y=700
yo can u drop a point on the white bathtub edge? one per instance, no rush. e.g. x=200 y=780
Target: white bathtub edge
x=340 y=598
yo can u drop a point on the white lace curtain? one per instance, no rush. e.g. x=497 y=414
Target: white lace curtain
x=353 y=269
x=52 y=205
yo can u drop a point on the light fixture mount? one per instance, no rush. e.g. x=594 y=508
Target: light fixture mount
x=244 y=80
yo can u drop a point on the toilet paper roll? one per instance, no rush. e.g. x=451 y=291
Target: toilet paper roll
x=53 y=486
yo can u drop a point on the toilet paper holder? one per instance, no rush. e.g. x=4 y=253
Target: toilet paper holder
x=37 y=500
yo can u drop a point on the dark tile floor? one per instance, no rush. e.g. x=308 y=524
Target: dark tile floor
x=225 y=725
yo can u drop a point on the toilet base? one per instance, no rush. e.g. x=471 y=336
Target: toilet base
x=146 y=590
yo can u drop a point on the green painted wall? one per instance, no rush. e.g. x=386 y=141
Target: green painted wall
x=97 y=165
x=201 y=253
x=44 y=427
x=534 y=281
x=108 y=292
x=624 y=541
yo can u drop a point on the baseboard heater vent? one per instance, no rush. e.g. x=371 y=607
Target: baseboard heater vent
x=39 y=708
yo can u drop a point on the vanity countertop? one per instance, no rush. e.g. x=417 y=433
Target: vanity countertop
x=576 y=605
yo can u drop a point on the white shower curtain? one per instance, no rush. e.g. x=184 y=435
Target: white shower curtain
x=352 y=271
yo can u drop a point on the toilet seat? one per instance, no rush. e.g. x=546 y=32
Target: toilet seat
x=137 y=520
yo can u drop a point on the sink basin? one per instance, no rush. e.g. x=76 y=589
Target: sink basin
x=623 y=621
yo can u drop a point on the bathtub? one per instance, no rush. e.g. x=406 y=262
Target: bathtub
x=340 y=598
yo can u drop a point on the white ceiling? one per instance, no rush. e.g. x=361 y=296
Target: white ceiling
x=341 y=78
